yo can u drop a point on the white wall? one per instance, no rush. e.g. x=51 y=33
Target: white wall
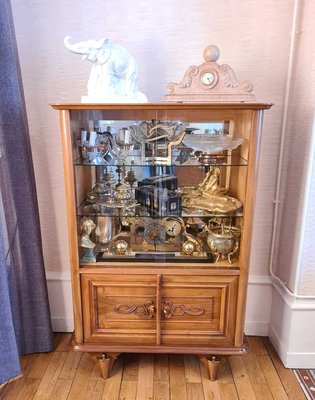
x=294 y=185
x=293 y=316
x=165 y=38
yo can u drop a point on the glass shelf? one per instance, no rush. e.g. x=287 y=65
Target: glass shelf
x=136 y=162
x=98 y=210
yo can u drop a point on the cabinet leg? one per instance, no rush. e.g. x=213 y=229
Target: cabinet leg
x=105 y=362
x=212 y=366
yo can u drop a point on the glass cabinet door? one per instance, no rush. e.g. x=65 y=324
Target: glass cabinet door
x=159 y=184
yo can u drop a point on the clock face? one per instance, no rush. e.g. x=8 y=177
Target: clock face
x=209 y=78
x=154 y=234
x=173 y=227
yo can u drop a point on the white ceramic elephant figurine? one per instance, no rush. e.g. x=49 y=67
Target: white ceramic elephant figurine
x=113 y=78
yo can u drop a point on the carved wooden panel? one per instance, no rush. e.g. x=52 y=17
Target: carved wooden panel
x=198 y=309
x=119 y=308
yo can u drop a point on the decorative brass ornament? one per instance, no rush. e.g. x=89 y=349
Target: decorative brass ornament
x=121 y=247
x=223 y=240
x=189 y=248
x=129 y=218
x=208 y=196
x=224 y=245
x=147 y=309
x=175 y=310
x=175 y=227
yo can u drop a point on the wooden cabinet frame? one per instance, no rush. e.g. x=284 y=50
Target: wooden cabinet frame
x=99 y=328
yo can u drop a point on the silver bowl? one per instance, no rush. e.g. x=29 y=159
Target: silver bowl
x=211 y=143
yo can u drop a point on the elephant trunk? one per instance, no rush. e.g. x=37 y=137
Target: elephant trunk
x=74 y=47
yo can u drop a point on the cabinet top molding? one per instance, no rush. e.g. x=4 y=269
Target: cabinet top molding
x=163 y=106
x=210 y=82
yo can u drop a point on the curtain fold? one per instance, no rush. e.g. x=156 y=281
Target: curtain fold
x=9 y=364
x=25 y=325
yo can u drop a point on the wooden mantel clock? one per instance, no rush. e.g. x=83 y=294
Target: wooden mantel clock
x=160 y=201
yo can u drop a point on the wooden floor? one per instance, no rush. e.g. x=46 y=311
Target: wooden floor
x=64 y=374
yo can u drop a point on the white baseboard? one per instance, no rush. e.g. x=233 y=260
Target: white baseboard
x=292 y=327
x=60 y=300
x=257 y=314
x=62 y=324
x=296 y=360
x=256 y=328
x=258 y=306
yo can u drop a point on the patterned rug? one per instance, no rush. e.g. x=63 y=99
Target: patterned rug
x=306 y=378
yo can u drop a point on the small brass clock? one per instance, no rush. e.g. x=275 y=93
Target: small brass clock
x=173 y=227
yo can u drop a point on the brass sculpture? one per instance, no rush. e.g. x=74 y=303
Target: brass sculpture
x=208 y=196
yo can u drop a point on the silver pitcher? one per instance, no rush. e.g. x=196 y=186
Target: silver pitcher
x=106 y=229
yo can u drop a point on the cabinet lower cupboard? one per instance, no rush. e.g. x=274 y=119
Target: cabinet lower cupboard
x=159 y=310
x=160 y=202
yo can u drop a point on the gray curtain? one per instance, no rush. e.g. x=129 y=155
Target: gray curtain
x=25 y=325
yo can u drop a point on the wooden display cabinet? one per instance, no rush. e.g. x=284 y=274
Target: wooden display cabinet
x=154 y=279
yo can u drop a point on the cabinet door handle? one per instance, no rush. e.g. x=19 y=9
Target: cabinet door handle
x=167 y=311
x=170 y=309
x=151 y=310
x=147 y=309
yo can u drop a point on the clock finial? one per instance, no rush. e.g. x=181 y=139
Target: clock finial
x=211 y=53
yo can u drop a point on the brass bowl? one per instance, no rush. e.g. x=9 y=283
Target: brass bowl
x=223 y=243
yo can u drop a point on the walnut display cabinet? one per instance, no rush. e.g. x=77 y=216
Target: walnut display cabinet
x=160 y=202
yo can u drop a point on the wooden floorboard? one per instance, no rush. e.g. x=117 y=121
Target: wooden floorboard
x=286 y=375
x=67 y=375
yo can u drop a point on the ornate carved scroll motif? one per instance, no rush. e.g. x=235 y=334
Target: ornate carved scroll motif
x=146 y=309
x=230 y=79
x=188 y=78
x=175 y=310
x=229 y=76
